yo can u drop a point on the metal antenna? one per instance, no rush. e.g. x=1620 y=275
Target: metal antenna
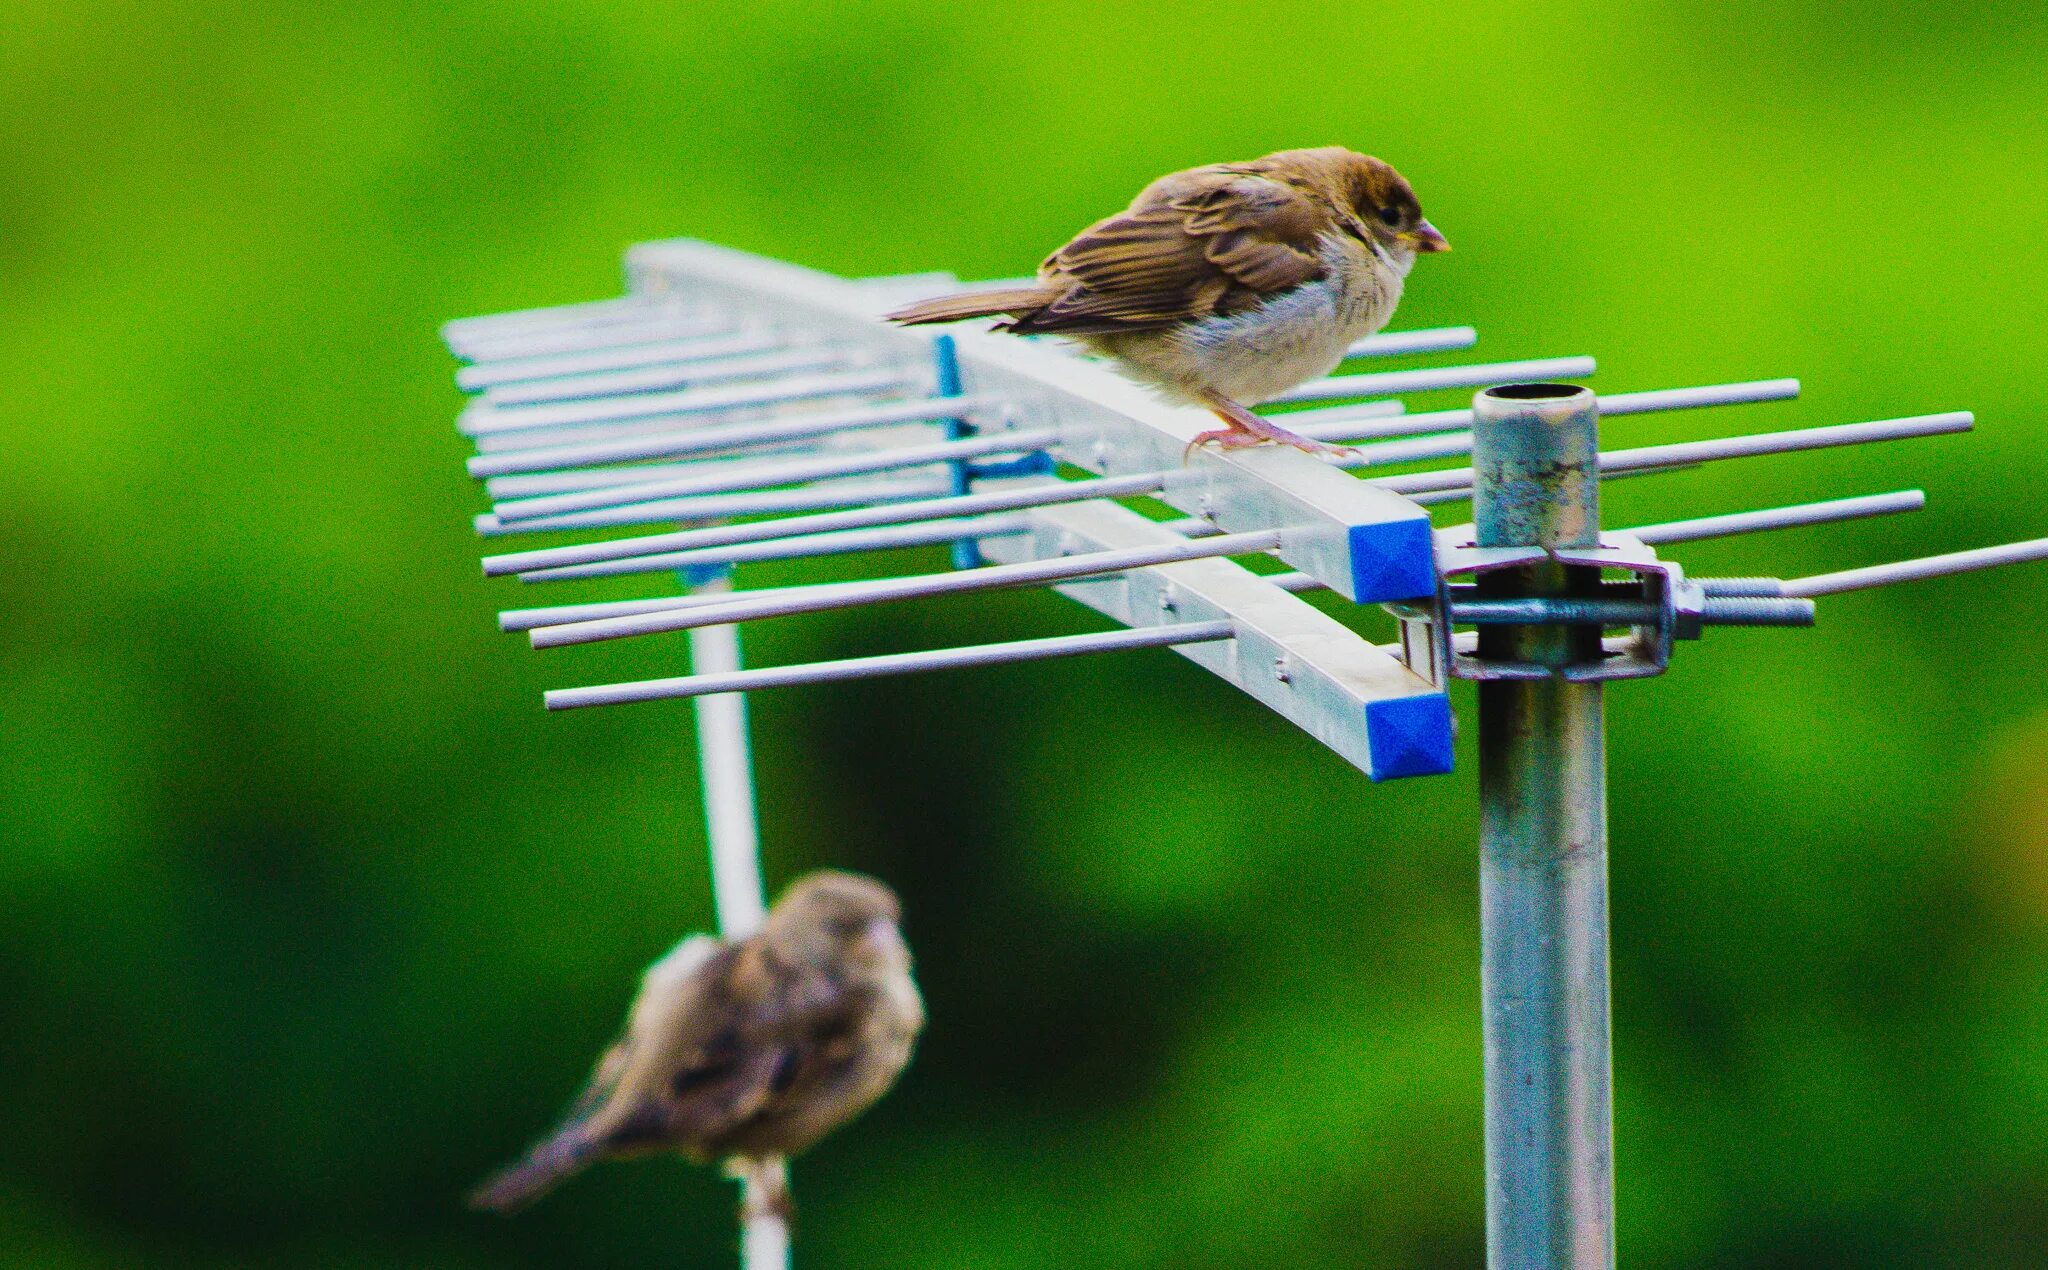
x=732 y=410
x=725 y=756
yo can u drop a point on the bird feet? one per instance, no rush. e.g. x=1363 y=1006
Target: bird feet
x=1247 y=429
x=766 y=1189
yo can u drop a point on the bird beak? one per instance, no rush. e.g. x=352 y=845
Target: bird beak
x=1426 y=238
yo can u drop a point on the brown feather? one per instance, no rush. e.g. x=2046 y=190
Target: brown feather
x=955 y=308
x=751 y=1049
x=1208 y=240
x=1227 y=285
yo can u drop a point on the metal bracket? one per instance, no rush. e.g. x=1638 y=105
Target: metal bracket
x=1288 y=655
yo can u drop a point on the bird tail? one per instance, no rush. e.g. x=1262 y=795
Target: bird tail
x=551 y=1162
x=1014 y=302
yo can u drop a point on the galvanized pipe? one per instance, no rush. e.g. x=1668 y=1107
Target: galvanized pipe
x=1543 y=850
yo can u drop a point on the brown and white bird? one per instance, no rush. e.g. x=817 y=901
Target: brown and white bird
x=1227 y=285
x=746 y=1051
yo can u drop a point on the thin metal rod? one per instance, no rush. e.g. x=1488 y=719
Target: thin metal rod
x=656 y=427
x=1835 y=509
x=583 y=337
x=881 y=538
x=1340 y=423
x=481 y=420
x=556 y=614
x=1436 y=339
x=582 y=312
x=577 y=479
x=809 y=498
x=764 y=474
x=728 y=770
x=764 y=1233
x=1618 y=403
x=1702 y=528
x=1460 y=493
x=891 y=664
x=667 y=376
x=563 y=614
x=1392 y=383
x=668 y=352
x=1659 y=456
x=1915 y=570
x=1543 y=855
x=646 y=545
x=587 y=433
x=913 y=587
x=721 y=437
x=725 y=758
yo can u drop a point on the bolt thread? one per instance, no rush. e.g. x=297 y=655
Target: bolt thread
x=1746 y=610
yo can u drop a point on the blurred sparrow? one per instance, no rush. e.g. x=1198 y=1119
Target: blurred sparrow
x=1227 y=285
x=746 y=1051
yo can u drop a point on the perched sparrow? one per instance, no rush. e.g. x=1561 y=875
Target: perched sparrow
x=1228 y=285
x=747 y=1051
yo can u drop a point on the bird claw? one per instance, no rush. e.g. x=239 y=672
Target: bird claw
x=1235 y=438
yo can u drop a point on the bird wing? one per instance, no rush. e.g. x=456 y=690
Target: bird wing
x=717 y=1055
x=1193 y=244
x=665 y=988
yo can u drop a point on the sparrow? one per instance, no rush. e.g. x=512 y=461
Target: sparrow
x=1226 y=285
x=746 y=1051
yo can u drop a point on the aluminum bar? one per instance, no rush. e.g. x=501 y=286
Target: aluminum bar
x=483 y=420
x=888 y=664
x=1916 y=570
x=1393 y=383
x=722 y=436
x=1661 y=456
x=648 y=545
x=765 y=474
x=669 y=352
x=918 y=586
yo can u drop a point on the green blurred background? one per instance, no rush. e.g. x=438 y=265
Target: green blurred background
x=309 y=915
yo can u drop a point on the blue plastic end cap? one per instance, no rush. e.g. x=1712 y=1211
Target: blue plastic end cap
x=696 y=575
x=1393 y=560
x=1409 y=736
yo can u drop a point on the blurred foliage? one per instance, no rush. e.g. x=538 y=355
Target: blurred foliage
x=308 y=915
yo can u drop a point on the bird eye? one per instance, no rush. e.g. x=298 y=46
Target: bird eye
x=1390 y=217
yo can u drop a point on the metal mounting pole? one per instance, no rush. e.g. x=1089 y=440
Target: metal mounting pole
x=1543 y=849
x=726 y=757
